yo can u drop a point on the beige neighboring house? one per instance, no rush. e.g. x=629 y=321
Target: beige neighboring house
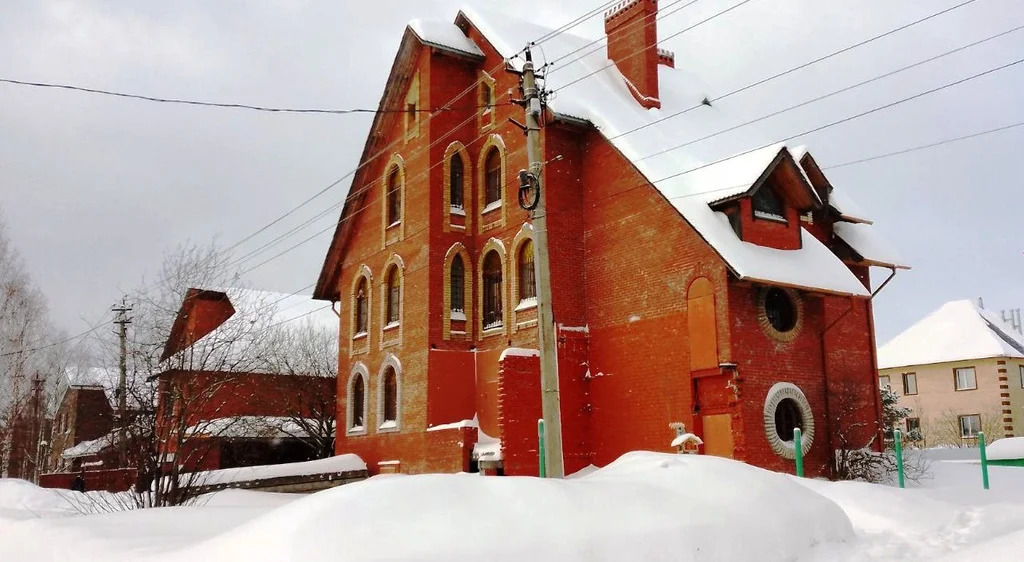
x=961 y=371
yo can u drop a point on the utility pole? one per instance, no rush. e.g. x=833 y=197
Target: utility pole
x=37 y=424
x=122 y=320
x=532 y=198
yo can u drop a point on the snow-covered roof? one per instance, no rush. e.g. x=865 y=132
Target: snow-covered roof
x=341 y=463
x=445 y=35
x=957 y=331
x=91 y=447
x=265 y=427
x=865 y=241
x=688 y=178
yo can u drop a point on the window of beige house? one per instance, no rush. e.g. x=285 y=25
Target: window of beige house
x=883 y=381
x=1021 y=367
x=909 y=384
x=965 y=378
x=970 y=426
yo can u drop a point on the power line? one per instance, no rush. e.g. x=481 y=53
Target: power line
x=56 y=343
x=472 y=87
x=819 y=59
x=794 y=69
x=223 y=105
x=830 y=94
x=925 y=146
x=660 y=15
x=676 y=34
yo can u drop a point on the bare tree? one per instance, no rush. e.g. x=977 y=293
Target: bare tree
x=855 y=434
x=945 y=429
x=30 y=355
x=306 y=355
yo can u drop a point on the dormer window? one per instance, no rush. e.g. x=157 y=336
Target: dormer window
x=768 y=205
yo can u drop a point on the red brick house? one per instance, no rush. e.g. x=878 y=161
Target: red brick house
x=730 y=294
x=226 y=394
x=84 y=413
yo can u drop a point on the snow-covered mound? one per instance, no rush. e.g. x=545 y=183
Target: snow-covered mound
x=644 y=506
x=22 y=499
x=1007 y=448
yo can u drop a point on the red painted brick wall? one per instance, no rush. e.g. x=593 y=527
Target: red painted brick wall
x=640 y=258
x=622 y=260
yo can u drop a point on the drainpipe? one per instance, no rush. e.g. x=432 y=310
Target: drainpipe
x=874 y=362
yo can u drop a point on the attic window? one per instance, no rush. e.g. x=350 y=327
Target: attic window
x=768 y=205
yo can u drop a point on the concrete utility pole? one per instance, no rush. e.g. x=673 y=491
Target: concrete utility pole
x=122 y=320
x=530 y=182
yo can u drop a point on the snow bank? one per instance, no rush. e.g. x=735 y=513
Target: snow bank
x=1005 y=449
x=340 y=463
x=645 y=506
x=22 y=499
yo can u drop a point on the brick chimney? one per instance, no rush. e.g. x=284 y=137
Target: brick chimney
x=633 y=45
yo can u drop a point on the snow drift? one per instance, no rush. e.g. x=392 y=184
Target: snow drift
x=644 y=506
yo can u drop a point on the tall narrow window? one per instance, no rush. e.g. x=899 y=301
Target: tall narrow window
x=492 y=177
x=456 y=182
x=909 y=383
x=394 y=197
x=527 y=282
x=487 y=104
x=394 y=295
x=361 y=306
x=492 y=290
x=358 y=403
x=390 y=395
x=458 y=286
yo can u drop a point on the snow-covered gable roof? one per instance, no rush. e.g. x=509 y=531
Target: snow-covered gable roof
x=957 y=331
x=444 y=35
x=689 y=178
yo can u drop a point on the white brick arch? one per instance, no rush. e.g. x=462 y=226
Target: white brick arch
x=781 y=391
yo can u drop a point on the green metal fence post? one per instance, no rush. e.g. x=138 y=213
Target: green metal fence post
x=984 y=459
x=798 y=446
x=542 y=465
x=898 y=443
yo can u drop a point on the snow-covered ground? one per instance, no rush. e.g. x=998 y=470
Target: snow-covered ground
x=644 y=506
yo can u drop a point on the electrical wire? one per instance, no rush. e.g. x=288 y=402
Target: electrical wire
x=223 y=105
x=31 y=350
x=799 y=67
x=830 y=94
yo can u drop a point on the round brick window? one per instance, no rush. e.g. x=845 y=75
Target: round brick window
x=785 y=409
x=780 y=313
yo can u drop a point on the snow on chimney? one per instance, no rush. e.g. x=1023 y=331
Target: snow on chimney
x=632 y=32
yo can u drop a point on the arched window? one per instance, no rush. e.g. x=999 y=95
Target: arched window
x=394 y=197
x=458 y=285
x=357 y=404
x=492 y=290
x=390 y=397
x=456 y=182
x=394 y=290
x=527 y=282
x=361 y=312
x=492 y=177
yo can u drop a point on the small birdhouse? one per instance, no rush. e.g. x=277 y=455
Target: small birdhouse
x=685 y=443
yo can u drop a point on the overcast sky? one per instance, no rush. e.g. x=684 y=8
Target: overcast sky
x=94 y=188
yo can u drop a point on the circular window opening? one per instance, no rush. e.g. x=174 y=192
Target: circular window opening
x=780 y=310
x=787 y=418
